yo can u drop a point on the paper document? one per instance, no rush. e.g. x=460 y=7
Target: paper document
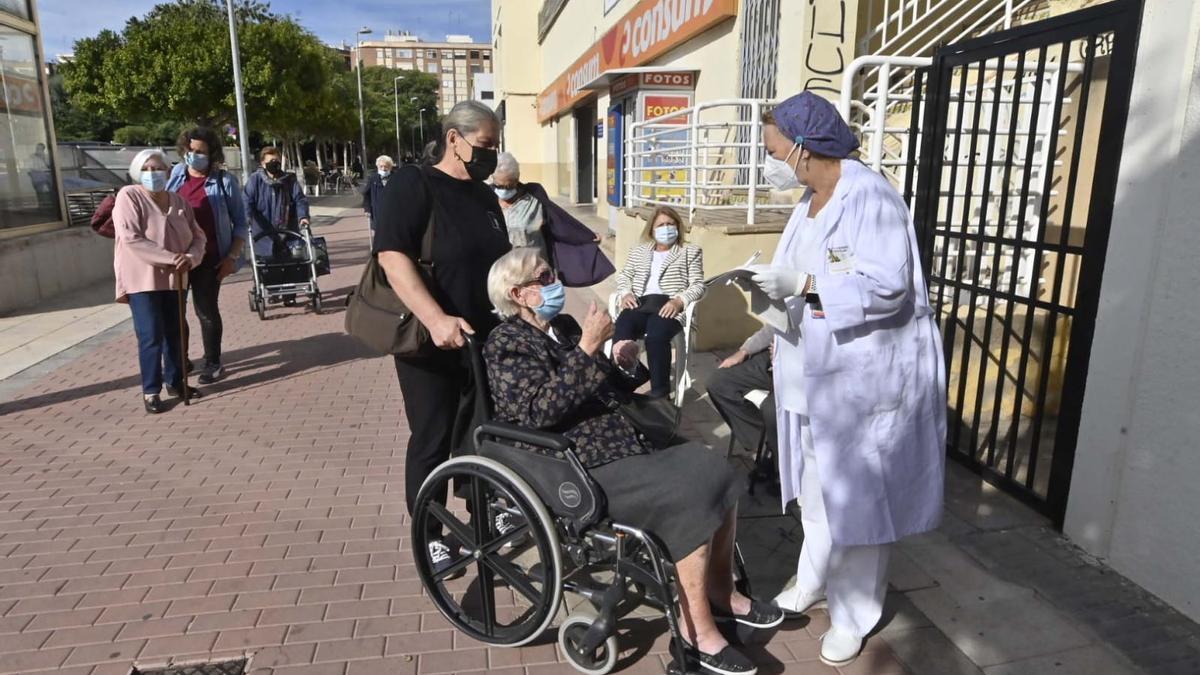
x=743 y=273
x=774 y=313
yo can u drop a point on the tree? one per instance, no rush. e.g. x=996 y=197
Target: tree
x=72 y=123
x=175 y=63
x=379 y=103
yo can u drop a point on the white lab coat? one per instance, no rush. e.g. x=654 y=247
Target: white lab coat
x=873 y=369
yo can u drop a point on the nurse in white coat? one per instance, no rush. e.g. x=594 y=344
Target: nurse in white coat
x=859 y=374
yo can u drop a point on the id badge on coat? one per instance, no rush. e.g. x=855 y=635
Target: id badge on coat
x=839 y=260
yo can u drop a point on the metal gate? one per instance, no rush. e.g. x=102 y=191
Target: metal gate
x=1020 y=141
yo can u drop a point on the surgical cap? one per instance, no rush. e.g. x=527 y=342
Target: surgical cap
x=815 y=124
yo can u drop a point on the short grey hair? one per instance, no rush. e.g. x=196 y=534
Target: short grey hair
x=384 y=159
x=507 y=165
x=140 y=159
x=511 y=270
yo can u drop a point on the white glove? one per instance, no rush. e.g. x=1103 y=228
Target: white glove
x=778 y=282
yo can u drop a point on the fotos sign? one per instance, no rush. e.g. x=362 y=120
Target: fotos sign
x=649 y=30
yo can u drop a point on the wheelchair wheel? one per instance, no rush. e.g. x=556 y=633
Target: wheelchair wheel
x=316 y=303
x=262 y=308
x=253 y=300
x=598 y=661
x=511 y=586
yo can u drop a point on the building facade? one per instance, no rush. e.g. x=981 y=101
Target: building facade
x=1080 y=401
x=454 y=62
x=39 y=254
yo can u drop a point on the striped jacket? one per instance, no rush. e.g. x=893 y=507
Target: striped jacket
x=682 y=275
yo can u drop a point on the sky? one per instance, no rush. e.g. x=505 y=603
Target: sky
x=334 y=21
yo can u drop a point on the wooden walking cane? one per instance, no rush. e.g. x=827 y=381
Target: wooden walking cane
x=182 y=296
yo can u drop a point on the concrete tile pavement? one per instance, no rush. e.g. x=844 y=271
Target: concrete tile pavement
x=268 y=520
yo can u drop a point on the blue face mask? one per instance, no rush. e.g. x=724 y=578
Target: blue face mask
x=554 y=297
x=154 y=181
x=197 y=161
x=384 y=173
x=505 y=193
x=666 y=234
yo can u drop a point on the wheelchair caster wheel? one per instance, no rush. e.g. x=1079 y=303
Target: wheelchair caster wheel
x=598 y=661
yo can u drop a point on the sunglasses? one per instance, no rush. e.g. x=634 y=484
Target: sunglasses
x=545 y=278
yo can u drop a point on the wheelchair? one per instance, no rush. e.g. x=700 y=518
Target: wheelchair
x=559 y=541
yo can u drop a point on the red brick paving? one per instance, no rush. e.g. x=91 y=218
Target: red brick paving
x=267 y=520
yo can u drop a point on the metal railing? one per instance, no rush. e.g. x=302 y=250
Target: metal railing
x=706 y=157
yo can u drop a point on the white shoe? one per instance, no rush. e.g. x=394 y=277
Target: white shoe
x=794 y=601
x=839 y=648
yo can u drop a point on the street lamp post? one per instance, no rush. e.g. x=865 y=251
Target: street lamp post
x=362 y=120
x=396 y=96
x=243 y=129
x=421 y=113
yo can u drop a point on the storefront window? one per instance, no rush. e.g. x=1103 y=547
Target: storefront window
x=15 y=7
x=28 y=191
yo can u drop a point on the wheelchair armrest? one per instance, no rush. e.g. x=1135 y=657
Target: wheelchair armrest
x=511 y=432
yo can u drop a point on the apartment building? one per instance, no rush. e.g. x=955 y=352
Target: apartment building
x=454 y=62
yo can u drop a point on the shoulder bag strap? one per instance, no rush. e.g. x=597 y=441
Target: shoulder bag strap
x=426 y=259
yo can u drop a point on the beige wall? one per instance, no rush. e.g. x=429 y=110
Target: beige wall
x=517 y=71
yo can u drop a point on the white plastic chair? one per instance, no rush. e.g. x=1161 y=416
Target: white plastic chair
x=682 y=342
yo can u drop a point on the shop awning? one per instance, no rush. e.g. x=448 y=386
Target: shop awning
x=605 y=79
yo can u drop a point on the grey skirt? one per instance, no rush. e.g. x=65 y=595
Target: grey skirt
x=681 y=494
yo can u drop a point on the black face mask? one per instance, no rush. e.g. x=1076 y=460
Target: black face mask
x=274 y=167
x=482 y=163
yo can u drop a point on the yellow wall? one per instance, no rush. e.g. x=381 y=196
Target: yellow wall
x=518 y=78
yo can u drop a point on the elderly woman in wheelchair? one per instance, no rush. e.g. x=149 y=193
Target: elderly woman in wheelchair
x=577 y=477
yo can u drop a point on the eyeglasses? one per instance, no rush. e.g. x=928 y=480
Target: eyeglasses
x=545 y=278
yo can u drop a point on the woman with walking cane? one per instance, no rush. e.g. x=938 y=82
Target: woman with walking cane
x=157 y=242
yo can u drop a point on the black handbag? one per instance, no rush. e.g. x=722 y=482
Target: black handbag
x=655 y=418
x=378 y=318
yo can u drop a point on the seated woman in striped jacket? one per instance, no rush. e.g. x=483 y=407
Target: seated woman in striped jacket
x=662 y=276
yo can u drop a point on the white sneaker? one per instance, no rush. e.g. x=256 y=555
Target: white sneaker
x=794 y=601
x=839 y=648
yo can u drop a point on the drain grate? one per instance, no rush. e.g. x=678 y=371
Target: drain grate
x=237 y=667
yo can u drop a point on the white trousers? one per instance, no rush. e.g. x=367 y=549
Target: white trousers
x=854 y=578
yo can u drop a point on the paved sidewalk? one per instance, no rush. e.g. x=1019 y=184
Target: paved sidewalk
x=268 y=520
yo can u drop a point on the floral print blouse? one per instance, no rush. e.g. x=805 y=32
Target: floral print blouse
x=539 y=383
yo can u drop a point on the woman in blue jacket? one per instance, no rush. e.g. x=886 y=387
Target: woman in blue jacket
x=216 y=199
x=275 y=201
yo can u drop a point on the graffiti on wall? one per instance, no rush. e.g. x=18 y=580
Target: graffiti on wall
x=828 y=45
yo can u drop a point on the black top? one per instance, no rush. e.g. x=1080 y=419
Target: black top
x=468 y=237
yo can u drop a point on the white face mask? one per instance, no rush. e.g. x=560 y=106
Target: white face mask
x=780 y=173
x=505 y=193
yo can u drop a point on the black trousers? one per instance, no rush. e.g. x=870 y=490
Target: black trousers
x=727 y=388
x=644 y=321
x=439 y=409
x=206 y=292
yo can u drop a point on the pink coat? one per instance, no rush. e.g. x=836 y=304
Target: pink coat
x=148 y=239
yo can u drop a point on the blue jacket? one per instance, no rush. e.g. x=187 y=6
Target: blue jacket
x=275 y=205
x=225 y=198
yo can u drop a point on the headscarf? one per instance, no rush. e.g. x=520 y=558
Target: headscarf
x=815 y=124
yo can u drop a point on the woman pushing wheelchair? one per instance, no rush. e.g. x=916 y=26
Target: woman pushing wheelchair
x=547 y=372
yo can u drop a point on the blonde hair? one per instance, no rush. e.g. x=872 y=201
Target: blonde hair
x=648 y=231
x=511 y=270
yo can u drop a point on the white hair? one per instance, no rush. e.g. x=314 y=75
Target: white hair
x=140 y=159
x=511 y=270
x=385 y=160
x=507 y=165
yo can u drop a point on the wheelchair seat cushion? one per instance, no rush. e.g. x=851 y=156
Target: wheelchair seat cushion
x=680 y=494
